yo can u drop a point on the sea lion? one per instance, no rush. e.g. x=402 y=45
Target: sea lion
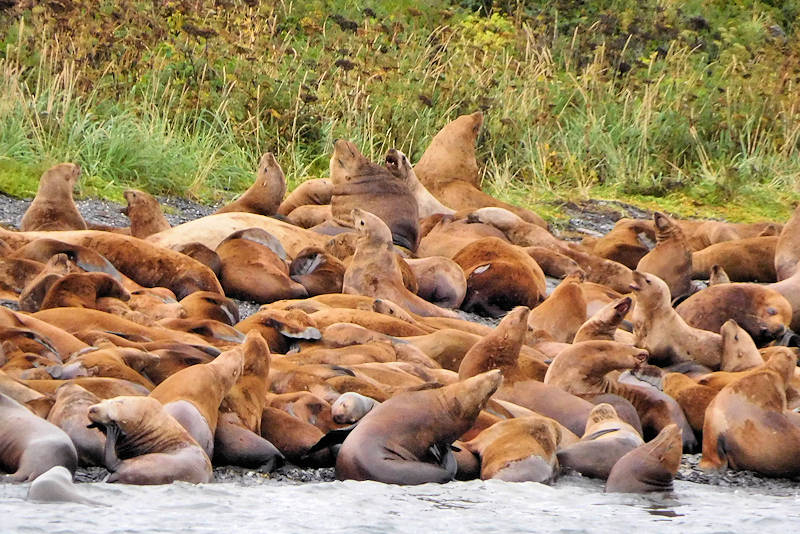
x=790 y=289
x=604 y=324
x=146 y=445
x=145 y=214
x=447 y=236
x=55 y=485
x=18 y=276
x=310 y=215
x=763 y=312
x=747 y=425
x=399 y=165
x=350 y=407
x=562 y=313
x=709 y=233
x=311 y=192
x=554 y=263
x=499 y=277
x=71 y=414
x=606 y=439
x=30 y=445
x=281 y=327
x=201 y=253
x=671 y=259
x=407 y=439
x=623 y=244
x=83 y=290
x=650 y=467
x=519 y=450
x=209 y=305
x=266 y=193
x=787 y=249
x=449 y=170
x=718 y=276
x=374 y=270
x=317 y=271
x=439 y=280
x=53 y=207
x=692 y=397
x=359 y=183
x=744 y=260
x=293 y=437
x=658 y=328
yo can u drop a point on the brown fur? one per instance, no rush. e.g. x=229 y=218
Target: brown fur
x=144 y=213
x=311 y=192
x=53 y=207
x=266 y=193
x=671 y=259
x=787 y=250
x=745 y=260
x=562 y=313
x=692 y=397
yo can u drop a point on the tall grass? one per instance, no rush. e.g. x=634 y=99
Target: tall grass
x=616 y=100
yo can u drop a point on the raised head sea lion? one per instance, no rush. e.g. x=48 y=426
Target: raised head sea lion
x=744 y=260
x=787 y=250
x=671 y=259
x=144 y=213
x=266 y=193
x=407 y=439
x=604 y=324
x=739 y=352
x=650 y=467
x=146 y=445
x=311 y=192
x=53 y=207
x=399 y=165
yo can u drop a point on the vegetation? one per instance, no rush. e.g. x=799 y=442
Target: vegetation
x=690 y=105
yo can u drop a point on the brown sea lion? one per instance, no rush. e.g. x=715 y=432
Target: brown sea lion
x=745 y=260
x=374 y=270
x=604 y=324
x=56 y=339
x=449 y=170
x=499 y=277
x=111 y=362
x=747 y=426
x=281 y=327
x=407 y=439
x=692 y=397
x=83 y=290
x=146 y=445
x=623 y=244
x=718 y=276
x=709 y=233
x=310 y=215
x=351 y=407
x=787 y=250
x=650 y=467
x=293 y=437
x=562 y=313
x=399 y=165
x=519 y=450
x=671 y=259
x=208 y=305
x=71 y=414
x=317 y=271
x=201 y=253
x=763 y=312
x=311 y=192
x=607 y=438
x=554 y=263
x=305 y=406
x=53 y=207
x=30 y=445
x=145 y=214
x=439 y=280
x=658 y=328
x=448 y=236
x=360 y=184
x=19 y=277
x=790 y=289
x=103 y=387
x=266 y=193
x=33 y=293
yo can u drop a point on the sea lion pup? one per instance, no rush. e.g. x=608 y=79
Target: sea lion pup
x=146 y=445
x=407 y=439
x=71 y=414
x=30 y=445
x=519 y=450
x=145 y=213
x=623 y=244
x=787 y=250
x=745 y=260
x=55 y=485
x=650 y=467
x=253 y=270
x=747 y=425
x=374 y=270
x=606 y=439
x=53 y=207
x=693 y=398
x=449 y=170
x=350 y=407
x=659 y=329
x=562 y=313
x=317 y=271
x=604 y=324
x=499 y=277
x=311 y=192
x=439 y=280
x=718 y=276
x=398 y=164
x=671 y=259
x=310 y=215
x=266 y=193
x=193 y=395
x=359 y=183
x=763 y=312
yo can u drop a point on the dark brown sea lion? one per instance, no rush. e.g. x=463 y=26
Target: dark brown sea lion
x=71 y=414
x=359 y=183
x=449 y=170
x=671 y=259
x=787 y=250
x=650 y=467
x=53 y=207
x=19 y=277
x=266 y=193
x=145 y=214
x=146 y=445
x=293 y=437
x=317 y=271
x=201 y=253
x=374 y=270
x=745 y=260
x=311 y=192
x=762 y=312
x=30 y=445
x=407 y=439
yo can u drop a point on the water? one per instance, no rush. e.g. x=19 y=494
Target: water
x=572 y=505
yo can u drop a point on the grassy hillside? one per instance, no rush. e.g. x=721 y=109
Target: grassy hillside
x=690 y=105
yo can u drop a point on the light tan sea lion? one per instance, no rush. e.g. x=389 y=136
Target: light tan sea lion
x=374 y=270
x=310 y=215
x=787 y=250
x=311 y=192
x=745 y=260
x=650 y=467
x=562 y=313
x=145 y=445
x=55 y=485
x=266 y=193
x=145 y=214
x=671 y=259
x=71 y=414
x=604 y=324
x=53 y=207
x=449 y=170
x=692 y=397
x=790 y=289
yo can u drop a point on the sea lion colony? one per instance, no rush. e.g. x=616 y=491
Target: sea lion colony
x=127 y=353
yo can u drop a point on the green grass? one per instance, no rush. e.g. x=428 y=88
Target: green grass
x=689 y=105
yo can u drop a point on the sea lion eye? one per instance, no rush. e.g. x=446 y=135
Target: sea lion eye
x=362 y=223
x=772 y=311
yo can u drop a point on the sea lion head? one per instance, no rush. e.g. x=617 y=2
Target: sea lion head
x=138 y=201
x=271 y=177
x=650 y=290
x=601 y=412
x=60 y=179
x=370 y=226
x=739 y=351
x=472 y=394
x=397 y=163
x=351 y=407
x=667 y=447
x=348 y=163
x=783 y=361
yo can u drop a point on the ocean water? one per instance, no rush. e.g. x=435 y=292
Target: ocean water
x=572 y=505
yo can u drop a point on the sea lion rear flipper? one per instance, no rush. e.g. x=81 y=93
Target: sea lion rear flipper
x=334 y=437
